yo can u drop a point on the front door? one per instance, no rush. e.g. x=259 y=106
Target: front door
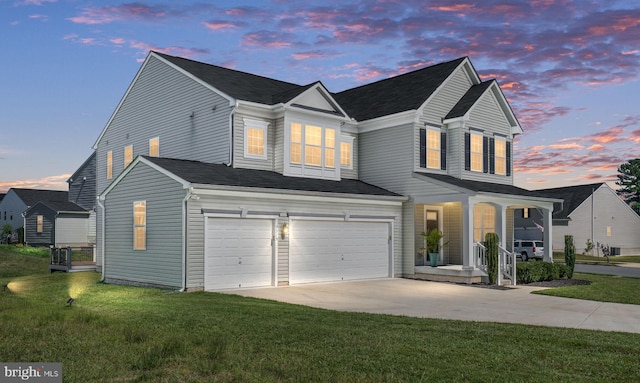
x=432 y=220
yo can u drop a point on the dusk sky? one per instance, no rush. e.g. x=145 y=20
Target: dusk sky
x=568 y=68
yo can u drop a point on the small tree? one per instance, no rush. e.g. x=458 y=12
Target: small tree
x=569 y=254
x=491 y=244
x=588 y=247
x=6 y=229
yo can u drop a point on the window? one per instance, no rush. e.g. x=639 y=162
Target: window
x=608 y=231
x=128 y=155
x=330 y=148
x=154 y=147
x=500 y=156
x=140 y=225
x=296 y=143
x=433 y=149
x=255 y=139
x=484 y=218
x=525 y=212
x=39 y=224
x=346 y=152
x=476 y=152
x=109 y=165
x=313 y=145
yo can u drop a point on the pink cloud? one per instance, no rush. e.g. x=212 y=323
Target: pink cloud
x=565 y=146
x=39 y=17
x=58 y=182
x=269 y=39
x=35 y=2
x=109 y=14
x=219 y=25
x=595 y=147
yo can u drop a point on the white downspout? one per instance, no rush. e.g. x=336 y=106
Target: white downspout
x=102 y=246
x=185 y=213
x=231 y=131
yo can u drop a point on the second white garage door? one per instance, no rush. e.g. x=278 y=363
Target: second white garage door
x=323 y=251
x=238 y=253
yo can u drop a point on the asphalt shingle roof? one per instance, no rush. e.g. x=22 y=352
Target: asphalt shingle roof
x=573 y=196
x=486 y=187
x=31 y=196
x=395 y=94
x=60 y=206
x=469 y=99
x=239 y=85
x=217 y=174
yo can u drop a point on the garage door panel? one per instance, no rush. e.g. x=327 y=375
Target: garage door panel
x=332 y=250
x=238 y=253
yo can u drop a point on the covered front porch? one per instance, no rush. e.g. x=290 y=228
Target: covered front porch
x=465 y=217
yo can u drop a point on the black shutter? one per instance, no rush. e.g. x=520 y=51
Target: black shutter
x=508 y=158
x=485 y=154
x=492 y=155
x=467 y=151
x=423 y=148
x=443 y=150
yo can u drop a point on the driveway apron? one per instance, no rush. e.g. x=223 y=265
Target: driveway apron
x=425 y=299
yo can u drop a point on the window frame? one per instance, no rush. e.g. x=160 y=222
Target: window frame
x=346 y=140
x=496 y=158
x=128 y=155
x=136 y=226
x=261 y=126
x=154 y=143
x=476 y=154
x=109 y=164
x=435 y=151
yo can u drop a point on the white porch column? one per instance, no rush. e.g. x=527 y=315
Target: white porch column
x=468 y=263
x=501 y=224
x=548 y=239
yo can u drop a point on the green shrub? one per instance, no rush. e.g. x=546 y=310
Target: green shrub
x=529 y=272
x=491 y=243
x=569 y=254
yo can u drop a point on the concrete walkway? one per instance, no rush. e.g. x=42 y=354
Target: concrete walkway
x=451 y=301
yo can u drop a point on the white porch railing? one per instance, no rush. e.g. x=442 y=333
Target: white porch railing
x=506 y=262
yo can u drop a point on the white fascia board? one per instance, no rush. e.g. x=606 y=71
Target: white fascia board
x=506 y=108
x=318 y=86
x=139 y=159
x=295 y=195
x=511 y=197
x=402 y=118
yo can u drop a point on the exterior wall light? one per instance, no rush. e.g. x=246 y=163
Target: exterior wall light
x=284 y=231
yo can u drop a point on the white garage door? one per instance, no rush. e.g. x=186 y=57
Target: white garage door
x=237 y=253
x=335 y=251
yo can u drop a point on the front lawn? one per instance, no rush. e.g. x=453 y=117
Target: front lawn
x=117 y=333
x=603 y=288
x=580 y=258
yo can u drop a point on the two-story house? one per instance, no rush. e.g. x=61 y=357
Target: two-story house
x=211 y=178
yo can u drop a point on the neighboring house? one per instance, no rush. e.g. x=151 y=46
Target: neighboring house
x=59 y=223
x=236 y=180
x=82 y=192
x=17 y=201
x=589 y=212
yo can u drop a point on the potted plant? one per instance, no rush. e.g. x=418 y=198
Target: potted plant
x=432 y=239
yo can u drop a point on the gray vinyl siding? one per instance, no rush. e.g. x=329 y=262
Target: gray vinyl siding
x=161 y=263
x=488 y=116
x=386 y=157
x=240 y=161
x=408 y=238
x=278 y=150
x=454 y=237
x=262 y=203
x=609 y=211
x=47 y=237
x=446 y=98
x=82 y=188
x=161 y=103
x=72 y=230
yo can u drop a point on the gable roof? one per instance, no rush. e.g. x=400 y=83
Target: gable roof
x=468 y=100
x=237 y=84
x=487 y=187
x=59 y=207
x=573 y=197
x=196 y=172
x=86 y=163
x=395 y=94
x=2 y=196
x=31 y=196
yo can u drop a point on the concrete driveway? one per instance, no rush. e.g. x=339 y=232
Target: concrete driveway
x=451 y=301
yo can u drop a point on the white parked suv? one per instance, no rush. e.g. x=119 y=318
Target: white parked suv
x=528 y=248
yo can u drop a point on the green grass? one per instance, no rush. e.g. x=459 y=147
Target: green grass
x=16 y=261
x=603 y=288
x=120 y=334
x=559 y=257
